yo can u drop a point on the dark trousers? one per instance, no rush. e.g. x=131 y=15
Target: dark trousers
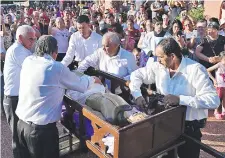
x=189 y=149
x=38 y=141
x=10 y=104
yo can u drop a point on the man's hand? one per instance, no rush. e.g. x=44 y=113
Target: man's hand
x=140 y=101
x=97 y=80
x=171 y=100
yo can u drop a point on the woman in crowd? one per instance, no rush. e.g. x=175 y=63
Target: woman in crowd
x=219 y=83
x=8 y=38
x=62 y=36
x=147 y=28
x=134 y=33
x=175 y=27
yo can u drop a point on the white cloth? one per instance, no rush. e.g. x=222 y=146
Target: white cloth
x=191 y=83
x=62 y=37
x=150 y=42
x=109 y=141
x=81 y=48
x=13 y=63
x=82 y=97
x=120 y=65
x=42 y=86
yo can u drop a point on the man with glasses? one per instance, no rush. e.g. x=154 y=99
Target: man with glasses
x=15 y=56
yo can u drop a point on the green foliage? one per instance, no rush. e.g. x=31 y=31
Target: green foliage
x=197 y=13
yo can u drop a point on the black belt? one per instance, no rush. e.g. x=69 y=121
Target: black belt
x=11 y=97
x=49 y=125
x=195 y=124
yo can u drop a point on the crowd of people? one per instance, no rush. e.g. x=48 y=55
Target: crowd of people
x=131 y=40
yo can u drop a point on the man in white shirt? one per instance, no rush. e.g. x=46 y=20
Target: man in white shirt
x=112 y=59
x=40 y=99
x=183 y=82
x=83 y=42
x=13 y=63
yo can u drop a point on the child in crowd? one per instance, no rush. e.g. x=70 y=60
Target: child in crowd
x=137 y=53
x=219 y=83
x=128 y=42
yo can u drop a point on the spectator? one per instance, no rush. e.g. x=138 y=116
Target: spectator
x=222 y=27
x=219 y=83
x=208 y=51
x=157 y=8
x=132 y=10
x=134 y=33
x=175 y=8
x=19 y=22
x=43 y=23
x=137 y=53
x=140 y=12
x=148 y=28
x=128 y=42
x=222 y=10
x=166 y=22
x=175 y=27
x=151 y=39
x=62 y=36
x=122 y=21
x=73 y=27
x=136 y=26
x=189 y=34
x=8 y=37
x=35 y=20
x=109 y=19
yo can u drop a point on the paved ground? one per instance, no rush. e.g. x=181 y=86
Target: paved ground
x=213 y=135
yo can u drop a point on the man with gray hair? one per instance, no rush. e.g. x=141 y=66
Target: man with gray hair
x=111 y=58
x=40 y=102
x=15 y=56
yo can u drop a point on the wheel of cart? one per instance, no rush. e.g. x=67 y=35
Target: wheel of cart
x=151 y=137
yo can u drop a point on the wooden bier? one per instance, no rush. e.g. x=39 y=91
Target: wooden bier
x=142 y=139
